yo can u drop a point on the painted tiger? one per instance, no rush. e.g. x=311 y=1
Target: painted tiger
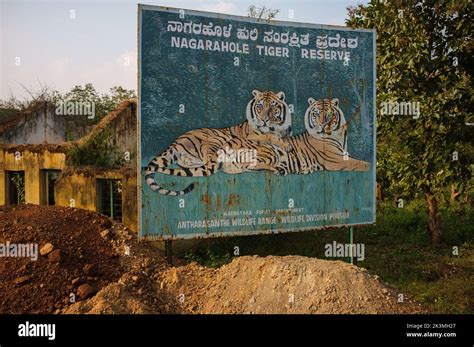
x=196 y=153
x=324 y=119
x=323 y=146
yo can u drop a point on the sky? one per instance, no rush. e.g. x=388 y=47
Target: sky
x=60 y=44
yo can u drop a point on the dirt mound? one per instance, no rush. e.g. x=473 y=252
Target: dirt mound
x=291 y=284
x=109 y=271
x=116 y=298
x=136 y=289
x=76 y=259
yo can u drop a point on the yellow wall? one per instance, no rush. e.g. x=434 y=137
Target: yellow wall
x=2 y=188
x=2 y=179
x=76 y=190
x=129 y=196
x=31 y=163
x=82 y=187
x=129 y=203
x=76 y=185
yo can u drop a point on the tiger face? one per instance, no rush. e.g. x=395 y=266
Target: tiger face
x=268 y=112
x=324 y=117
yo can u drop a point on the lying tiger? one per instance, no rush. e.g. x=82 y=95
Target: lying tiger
x=323 y=146
x=196 y=153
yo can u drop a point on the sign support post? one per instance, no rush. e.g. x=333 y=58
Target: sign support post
x=351 y=240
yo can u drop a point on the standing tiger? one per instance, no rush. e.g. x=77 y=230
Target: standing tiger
x=323 y=146
x=196 y=153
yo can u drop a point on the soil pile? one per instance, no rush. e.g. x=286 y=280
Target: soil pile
x=75 y=261
x=136 y=289
x=290 y=284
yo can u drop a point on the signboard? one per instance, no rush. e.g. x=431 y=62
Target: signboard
x=249 y=127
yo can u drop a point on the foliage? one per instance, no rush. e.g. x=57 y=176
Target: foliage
x=424 y=53
x=19 y=182
x=431 y=67
x=98 y=151
x=43 y=93
x=208 y=257
x=104 y=103
x=115 y=96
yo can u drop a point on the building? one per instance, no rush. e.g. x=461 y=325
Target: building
x=40 y=164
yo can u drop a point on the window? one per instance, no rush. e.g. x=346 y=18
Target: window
x=49 y=178
x=110 y=198
x=15 y=187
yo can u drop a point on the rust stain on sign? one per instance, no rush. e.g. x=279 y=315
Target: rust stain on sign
x=234 y=200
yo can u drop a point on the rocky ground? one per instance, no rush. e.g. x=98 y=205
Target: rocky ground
x=104 y=269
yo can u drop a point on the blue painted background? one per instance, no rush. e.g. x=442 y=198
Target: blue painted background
x=215 y=94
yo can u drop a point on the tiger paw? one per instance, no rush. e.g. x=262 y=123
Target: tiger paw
x=287 y=147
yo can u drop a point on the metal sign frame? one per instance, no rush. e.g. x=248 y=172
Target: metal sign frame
x=276 y=23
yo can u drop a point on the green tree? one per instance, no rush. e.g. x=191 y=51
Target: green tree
x=98 y=151
x=115 y=96
x=104 y=103
x=86 y=94
x=424 y=54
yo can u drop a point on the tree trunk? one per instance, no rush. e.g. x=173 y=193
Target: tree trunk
x=454 y=193
x=379 y=194
x=434 y=220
